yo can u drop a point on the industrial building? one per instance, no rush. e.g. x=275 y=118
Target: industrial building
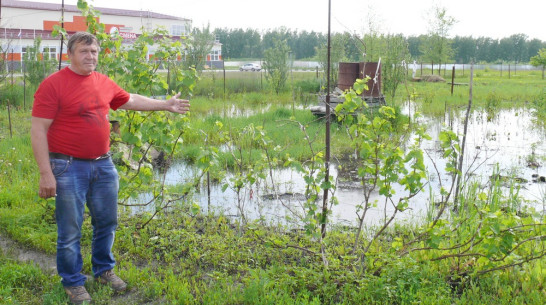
x=22 y=21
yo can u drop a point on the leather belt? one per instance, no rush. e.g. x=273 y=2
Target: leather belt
x=67 y=157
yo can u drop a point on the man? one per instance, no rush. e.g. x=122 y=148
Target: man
x=70 y=136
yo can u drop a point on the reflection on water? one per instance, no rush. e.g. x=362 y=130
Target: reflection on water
x=509 y=141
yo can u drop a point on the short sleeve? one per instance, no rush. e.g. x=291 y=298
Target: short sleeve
x=46 y=101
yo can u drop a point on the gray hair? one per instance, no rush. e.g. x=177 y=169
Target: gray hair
x=82 y=37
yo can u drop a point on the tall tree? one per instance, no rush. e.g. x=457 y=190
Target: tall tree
x=487 y=49
x=514 y=48
x=272 y=37
x=520 y=47
x=414 y=45
x=534 y=46
x=306 y=44
x=464 y=49
x=253 y=44
x=353 y=47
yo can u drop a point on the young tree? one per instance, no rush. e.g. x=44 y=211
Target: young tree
x=5 y=58
x=391 y=50
x=437 y=46
x=539 y=60
x=393 y=67
x=37 y=65
x=198 y=47
x=276 y=65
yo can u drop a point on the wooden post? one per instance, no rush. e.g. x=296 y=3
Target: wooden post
x=9 y=120
x=208 y=191
x=24 y=90
x=224 y=69
x=421 y=68
x=327 y=136
x=452 y=79
x=432 y=73
x=168 y=77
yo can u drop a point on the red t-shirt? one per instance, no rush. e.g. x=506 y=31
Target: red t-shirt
x=79 y=106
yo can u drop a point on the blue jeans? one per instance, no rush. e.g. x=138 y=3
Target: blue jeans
x=80 y=182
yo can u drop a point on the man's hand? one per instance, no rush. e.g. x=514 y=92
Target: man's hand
x=48 y=185
x=178 y=105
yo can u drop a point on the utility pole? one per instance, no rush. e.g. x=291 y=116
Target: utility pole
x=62 y=36
x=327 y=140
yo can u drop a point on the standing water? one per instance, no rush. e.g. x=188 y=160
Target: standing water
x=508 y=144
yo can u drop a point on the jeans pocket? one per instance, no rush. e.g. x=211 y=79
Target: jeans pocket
x=58 y=166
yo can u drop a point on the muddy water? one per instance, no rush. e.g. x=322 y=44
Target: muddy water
x=508 y=143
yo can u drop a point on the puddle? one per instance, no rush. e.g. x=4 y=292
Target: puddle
x=506 y=143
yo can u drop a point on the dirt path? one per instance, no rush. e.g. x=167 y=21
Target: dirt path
x=47 y=262
x=15 y=251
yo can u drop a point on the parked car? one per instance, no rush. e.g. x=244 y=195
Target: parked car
x=250 y=67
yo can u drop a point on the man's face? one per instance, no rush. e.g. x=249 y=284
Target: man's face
x=84 y=59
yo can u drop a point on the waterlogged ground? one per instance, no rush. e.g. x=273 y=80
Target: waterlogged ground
x=507 y=143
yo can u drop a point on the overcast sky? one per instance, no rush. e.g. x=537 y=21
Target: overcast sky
x=489 y=18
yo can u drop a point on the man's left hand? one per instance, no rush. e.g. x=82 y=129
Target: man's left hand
x=174 y=104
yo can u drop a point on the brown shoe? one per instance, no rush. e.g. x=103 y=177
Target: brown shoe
x=77 y=294
x=109 y=277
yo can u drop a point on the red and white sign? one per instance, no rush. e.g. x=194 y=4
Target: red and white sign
x=127 y=35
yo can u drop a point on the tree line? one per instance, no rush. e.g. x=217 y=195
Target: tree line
x=250 y=43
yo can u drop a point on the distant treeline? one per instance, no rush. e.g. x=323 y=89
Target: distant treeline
x=250 y=43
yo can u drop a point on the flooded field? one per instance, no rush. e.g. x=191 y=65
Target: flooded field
x=507 y=143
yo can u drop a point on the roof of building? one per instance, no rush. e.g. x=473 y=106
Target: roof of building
x=74 y=8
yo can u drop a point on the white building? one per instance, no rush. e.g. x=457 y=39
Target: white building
x=22 y=21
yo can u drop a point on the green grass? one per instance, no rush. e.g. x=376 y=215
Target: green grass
x=489 y=90
x=23 y=283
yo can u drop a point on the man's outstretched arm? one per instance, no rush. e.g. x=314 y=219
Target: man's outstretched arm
x=142 y=103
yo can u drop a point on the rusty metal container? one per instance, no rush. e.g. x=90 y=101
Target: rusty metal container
x=373 y=70
x=350 y=71
x=347 y=75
